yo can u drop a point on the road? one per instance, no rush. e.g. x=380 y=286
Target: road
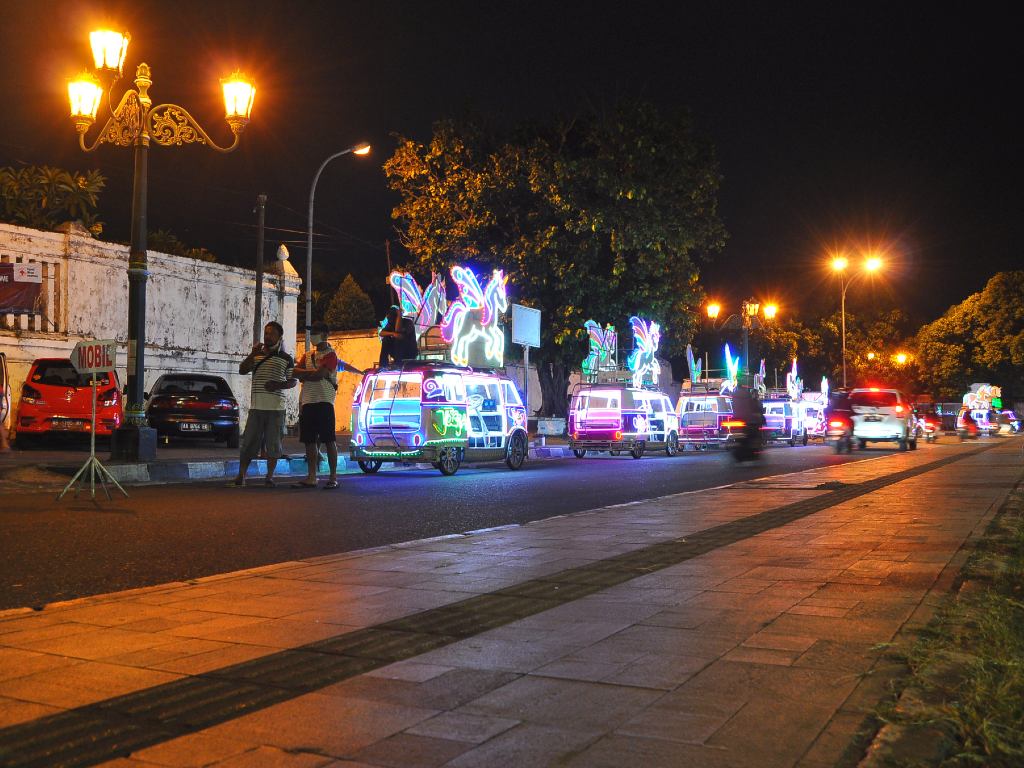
x=56 y=551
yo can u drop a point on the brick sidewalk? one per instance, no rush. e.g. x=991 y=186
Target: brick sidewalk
x=731 y=627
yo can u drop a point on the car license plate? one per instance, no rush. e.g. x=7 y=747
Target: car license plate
x=68 y=425
x=195 y=426
x=872 y=418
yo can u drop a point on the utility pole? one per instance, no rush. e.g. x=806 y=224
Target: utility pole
x=257 y=318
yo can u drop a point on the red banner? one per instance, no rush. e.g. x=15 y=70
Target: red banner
x=19 y=288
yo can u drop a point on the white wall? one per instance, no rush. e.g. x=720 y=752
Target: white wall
x=199 y=315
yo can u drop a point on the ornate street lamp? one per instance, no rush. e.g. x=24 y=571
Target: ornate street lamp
x=746 y=319
x=839 y=265
x=134 y=123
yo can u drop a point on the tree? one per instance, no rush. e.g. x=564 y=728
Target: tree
x=980 y=339
x=164 y=241
x=598 y=217
x=350 y=308
x=42 y=197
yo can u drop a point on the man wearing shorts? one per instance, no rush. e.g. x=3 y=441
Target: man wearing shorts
x=271 y=368
x=318 y=372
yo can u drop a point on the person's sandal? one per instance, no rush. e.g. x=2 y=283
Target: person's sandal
x=330 y=484
x=238 y=482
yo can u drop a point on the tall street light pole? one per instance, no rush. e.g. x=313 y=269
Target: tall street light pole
x=839 y=264
x=135 y=123
x=357 y=149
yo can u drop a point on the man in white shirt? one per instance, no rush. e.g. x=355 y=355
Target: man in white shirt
x=271 y=369
x=318 y=372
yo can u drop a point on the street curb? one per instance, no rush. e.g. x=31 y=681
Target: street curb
x=213 y=469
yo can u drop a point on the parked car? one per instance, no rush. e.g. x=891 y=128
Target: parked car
x=5 y=398
x=193 y=405
x=882 y=415
x=783 y=422
x=56 y=399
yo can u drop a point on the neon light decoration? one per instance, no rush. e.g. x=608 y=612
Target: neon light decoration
x=425 y=307
x=449 y=422
x=694 y=364
x=643 y=360
x=604 y=349
x=759 y=378
x=980 y=399
x=474 y=316
x=794 y=384
x=732 y=372
x=824 y=390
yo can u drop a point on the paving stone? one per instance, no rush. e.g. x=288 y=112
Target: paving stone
x=193 y=750
x=406 y=750
x=474 y=729
x=527 y=744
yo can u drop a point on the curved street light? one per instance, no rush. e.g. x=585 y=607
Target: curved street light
x=839 y=265
x=356 y=149
x=135 y=123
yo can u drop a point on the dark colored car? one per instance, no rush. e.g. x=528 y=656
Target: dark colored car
x=57 y=399
x=839 y=421
x=193 y=405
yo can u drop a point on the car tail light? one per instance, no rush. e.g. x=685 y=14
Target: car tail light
x=899 y=409
x=31 y=395
x=108 y=398
x=837 y=423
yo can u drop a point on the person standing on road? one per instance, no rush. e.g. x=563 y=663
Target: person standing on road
x=271 y=368
x=318 y=372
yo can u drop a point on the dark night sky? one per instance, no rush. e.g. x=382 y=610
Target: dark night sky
x=877 y=125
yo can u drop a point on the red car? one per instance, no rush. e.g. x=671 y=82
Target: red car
x=55 y=398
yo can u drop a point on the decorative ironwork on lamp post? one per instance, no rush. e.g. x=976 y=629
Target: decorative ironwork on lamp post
x=135 y=122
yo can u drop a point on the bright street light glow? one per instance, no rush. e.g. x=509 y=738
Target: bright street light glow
x=839 y=263
x=900 y=358
x=713 y=310
x=770 y=310
x=873 y=264
x=871 y=355
x=108 y=50
x=362 y=149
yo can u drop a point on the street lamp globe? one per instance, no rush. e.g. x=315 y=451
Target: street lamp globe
x=713 y=310
x=84 y=94
x=361 y=149
x=239 y=93
x=108 y=51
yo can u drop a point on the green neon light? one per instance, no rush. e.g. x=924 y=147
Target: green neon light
x=449 y=420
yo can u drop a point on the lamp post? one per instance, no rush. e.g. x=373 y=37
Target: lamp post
x=746 y=319
x=135 y=123
x=839 y=264
x=357 y=149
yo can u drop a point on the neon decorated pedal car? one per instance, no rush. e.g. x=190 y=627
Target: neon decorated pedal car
x=621 y=410
x=609 y=417
x=432 y=409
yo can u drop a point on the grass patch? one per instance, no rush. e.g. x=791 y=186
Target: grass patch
x=964 y=700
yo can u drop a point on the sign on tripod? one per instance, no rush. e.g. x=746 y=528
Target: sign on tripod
x=92 y=357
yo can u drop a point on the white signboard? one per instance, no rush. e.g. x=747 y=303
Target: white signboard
x=525 y=326
x=94 y=356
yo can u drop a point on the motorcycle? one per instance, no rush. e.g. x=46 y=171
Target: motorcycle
x=839 y=433
x=748 y=445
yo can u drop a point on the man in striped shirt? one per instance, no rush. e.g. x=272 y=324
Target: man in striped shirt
x=318 y=372
x=271 y=368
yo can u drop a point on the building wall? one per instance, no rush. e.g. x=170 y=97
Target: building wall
x=199 y=315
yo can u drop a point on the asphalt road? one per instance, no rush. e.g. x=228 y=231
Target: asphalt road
x=54 y=551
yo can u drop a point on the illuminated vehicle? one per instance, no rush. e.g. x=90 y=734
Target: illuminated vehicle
x=839 y=421
x=812 y=414
x=193 y=405
x=1008 y=423
x=616 y=417
x=438 y=413
x=56 y=399
x=705 y=418
x=882 y=415
x=783 y=422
